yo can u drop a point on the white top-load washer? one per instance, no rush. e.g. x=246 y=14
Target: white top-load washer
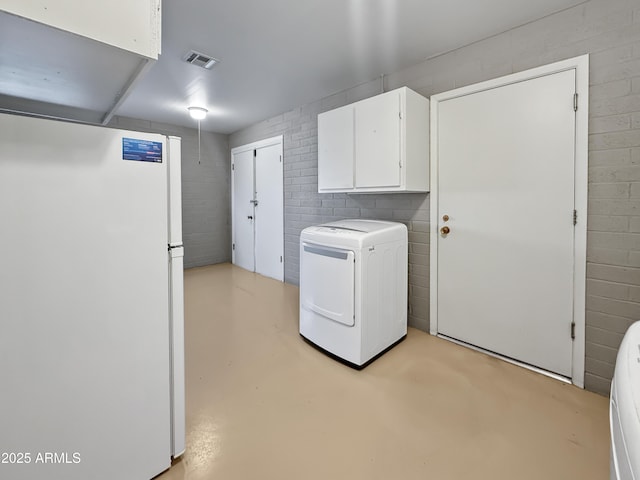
x=624 y=409
x=353 y=287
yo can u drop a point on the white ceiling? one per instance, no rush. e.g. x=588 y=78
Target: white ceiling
x=279 y=54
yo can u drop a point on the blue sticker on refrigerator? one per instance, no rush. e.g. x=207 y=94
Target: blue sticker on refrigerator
x=141 y=150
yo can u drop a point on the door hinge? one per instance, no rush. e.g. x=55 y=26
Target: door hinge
x=575 y=102
x=575 y=217
x=400 y=115
x=280 y=158
x=233 y=166
x=233 y=247
x=573 y=330
x=280 y=258
x=255 y=153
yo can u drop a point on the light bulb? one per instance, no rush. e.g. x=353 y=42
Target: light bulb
x=198 y=113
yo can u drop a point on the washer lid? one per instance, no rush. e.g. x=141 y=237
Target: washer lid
x=364 y=226
x=355 y=234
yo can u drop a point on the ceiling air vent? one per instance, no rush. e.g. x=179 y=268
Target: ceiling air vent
x=200 y=59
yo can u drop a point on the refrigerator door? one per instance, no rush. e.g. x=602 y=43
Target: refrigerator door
x=175 y=191
x=176 y=293
x=84 y=301
x=177 y=352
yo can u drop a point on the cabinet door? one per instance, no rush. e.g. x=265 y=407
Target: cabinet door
x=377 y=133
x=335 y=149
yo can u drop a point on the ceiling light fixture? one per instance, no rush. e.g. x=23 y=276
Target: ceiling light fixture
x=198 y=113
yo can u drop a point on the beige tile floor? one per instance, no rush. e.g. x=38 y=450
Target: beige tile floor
x=263 y=404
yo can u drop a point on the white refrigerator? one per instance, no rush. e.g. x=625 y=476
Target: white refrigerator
x=91 y=302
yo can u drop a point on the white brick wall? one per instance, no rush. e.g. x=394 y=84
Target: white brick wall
x=206 y=193
x=609 y=30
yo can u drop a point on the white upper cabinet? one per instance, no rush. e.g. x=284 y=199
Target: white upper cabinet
x=378 y=124
x=380 y=144
x=335 y=142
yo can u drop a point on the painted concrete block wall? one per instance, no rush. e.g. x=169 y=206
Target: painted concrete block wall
x=608 y=30
x=206 y=210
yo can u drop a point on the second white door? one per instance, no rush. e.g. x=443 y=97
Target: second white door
x=258 y=217
x=505 y=218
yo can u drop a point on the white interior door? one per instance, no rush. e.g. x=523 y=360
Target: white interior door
x=243 y=210
x=258 y=207
x=269 y=221
x=506 y=181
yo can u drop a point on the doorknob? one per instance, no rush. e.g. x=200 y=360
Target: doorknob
x=445 y=230
x=250 y=217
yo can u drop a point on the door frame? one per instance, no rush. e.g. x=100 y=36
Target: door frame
x=581 y=66
x=267 y=142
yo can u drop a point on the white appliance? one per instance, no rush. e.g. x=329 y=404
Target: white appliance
x=353 y=288
x=624 y=409
x=91 y=301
